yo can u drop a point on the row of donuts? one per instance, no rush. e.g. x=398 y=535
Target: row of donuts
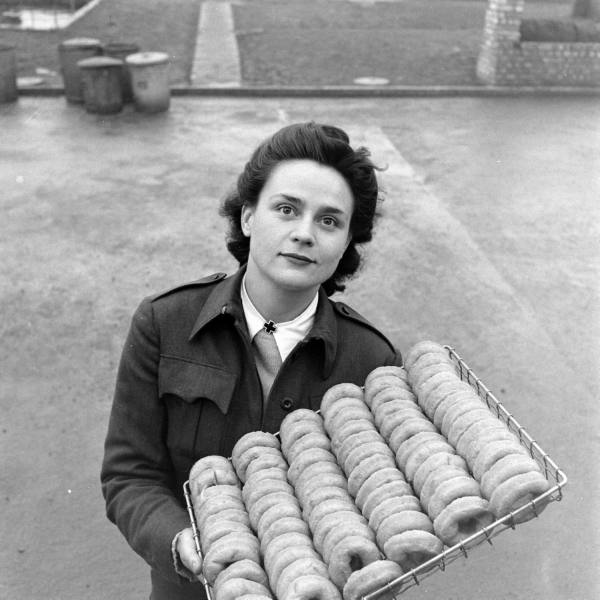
x=403 y=531
x=446 y=490
x=232 y=563
x=340 y=533
x=509 y=477
x=293 y=566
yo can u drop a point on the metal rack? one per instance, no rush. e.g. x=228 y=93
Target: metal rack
x=461 y=550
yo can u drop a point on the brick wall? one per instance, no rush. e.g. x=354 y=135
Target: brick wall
x=505 y=60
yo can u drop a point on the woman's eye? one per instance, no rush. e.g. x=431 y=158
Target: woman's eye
x=329 y=222
x=286 y=209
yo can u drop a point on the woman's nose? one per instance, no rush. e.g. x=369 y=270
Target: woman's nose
x=303 y=233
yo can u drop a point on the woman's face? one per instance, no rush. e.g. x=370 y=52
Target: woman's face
x=299 y=228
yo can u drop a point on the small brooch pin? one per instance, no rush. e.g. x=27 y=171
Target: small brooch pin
x=269 y=327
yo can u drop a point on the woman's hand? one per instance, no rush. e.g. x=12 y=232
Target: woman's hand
x=186 y=550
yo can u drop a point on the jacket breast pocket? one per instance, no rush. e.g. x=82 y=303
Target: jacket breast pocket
x=197 y=399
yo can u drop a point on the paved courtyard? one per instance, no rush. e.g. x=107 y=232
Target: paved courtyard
x=489 y=241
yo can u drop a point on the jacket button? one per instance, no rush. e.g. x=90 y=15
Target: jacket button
x=287 y=403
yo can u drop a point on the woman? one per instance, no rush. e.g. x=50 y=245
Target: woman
x=194 y=375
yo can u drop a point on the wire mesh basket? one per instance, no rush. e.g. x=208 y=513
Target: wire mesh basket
x=440 y=562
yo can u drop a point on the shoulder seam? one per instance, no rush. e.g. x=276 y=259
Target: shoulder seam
x=205 y=281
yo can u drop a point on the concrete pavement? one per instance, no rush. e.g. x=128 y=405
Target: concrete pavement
x=488 y=242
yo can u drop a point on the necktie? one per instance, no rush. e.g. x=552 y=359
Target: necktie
x=268 y=360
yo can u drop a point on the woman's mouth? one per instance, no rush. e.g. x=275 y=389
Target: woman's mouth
x=297 y=257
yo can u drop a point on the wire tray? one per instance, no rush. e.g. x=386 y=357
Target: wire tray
x=439 y=563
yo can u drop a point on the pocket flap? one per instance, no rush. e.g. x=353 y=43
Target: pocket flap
x=192 y=381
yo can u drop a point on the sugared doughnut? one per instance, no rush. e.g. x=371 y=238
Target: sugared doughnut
x=374 y=448
x=257 y=477
x=427 y=387
x=232 y=589
x=431 y=464
x=397 y=419
x=284 y=541
x=505 y=468
x=212 y=477
x=493 y=452
x=286 y=525
x=391 y=506
x=351 y=554
x=305 y=458
x=387 y=409
x=488 y=432
x=449 y=490
x=338 y=391
x=375 y=480
x=331 y=521
x=353 y=441
x=320 y=494
x=450 y=401
x=440 y=394
x=345 y=414
x=314 y=484
x=253 y=439
x=263 y=503
x=215 y=505
x=412 y=548
x=244 y=460
x=336 y=534
x=381 y=383
x=517 y=492
x=317 y=469
x=311 y=587
x=266 y=462
x=405 y=450
x=330 y=506
x=300 y=415
x=347 y=429
x=396 y=523
x=365 y=468
x=462 y=518
x=297 y=569
x=296 y=431
x=231 y=514
x=283 y=559
x=228 y=549
x=436 y=478
x=218 y=528
x=411 y=426
x=393 y=489
x=386 y=371
x=390 y=394
x=421 y=453
x=214 y=491
x=461 y=415
x=246 y=569
x=275 y=513
x=373 y=577
x=424 y=347
x=209 y=463
x=310 y=440
x=262 y=487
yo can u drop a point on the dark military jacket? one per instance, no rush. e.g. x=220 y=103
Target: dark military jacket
x=187 y=387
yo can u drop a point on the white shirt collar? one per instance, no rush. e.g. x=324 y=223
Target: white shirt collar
x=287 y=334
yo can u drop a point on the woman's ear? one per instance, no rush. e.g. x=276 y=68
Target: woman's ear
x=246 y=219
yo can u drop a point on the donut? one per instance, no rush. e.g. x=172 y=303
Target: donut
x=253 y=492
x=330 y=506
x=505 y=468
x=218 y=491
x=436 y=478
x=266 y=462
x=493 y=452
x=517 y=492
x=349 y=413
x=230 y=514
x=209 y=463
x=244 y=460
x=421 y=453
x=427 y=387
x=285 y=525
x=460 y=415
x=424 y=347
x=375 y=480
x=246 y=569
x=440 y=394
x=397 y=419
x=300 y=415
x=392 y=506
x=345 y=430
x=297 y=430
x=316 y=470
x=427 y=368
x=381 y=383
x=218 y=528
x=256 y=477
x=310 y=440
x=396 y=523
x=204 y=509
x=329 y=481
x=453 y=400
x=389 y=394
x=311 y=587
x=462 y=518
x=412 y=548
x=320 y=494
x=350 y=554
x=338 y=391
x=305 y=458
x=355 y=440
x=253 y=439
x=331 y=521
x=336 y=534
x=386 y=371
x=449 y=490
x=227 y=550
x=212 y=477
x=254 y=597
x=473 y=444
x=283 y=559
x=405 y=450
x=431 y=464
x=375 y=448
x=274 y=513
x=400 y=491
x=262 y=504
x=233 y=588
x=371 y=578
x=409 y=427
x=383 y=411
x=295 y=570
x=369 y=465
x=284 y=541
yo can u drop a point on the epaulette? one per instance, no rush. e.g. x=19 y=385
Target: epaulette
x=350 y=313
x=208 y=280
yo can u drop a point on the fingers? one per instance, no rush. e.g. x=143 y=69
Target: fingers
x=186 y=548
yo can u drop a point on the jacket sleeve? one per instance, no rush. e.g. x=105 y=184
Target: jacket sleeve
x=137 y=474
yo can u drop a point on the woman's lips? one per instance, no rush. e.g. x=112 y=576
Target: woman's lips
x=297 y=257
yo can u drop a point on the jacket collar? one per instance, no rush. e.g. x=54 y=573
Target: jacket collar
x=225 y=299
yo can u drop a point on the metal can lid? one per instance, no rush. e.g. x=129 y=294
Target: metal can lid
x=147 y=58
x=99 y=61
x=120 y=48
x=77 y=43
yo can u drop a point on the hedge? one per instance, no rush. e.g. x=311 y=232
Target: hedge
x=555 y=30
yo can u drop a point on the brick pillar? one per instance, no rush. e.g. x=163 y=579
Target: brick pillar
x=500 y=34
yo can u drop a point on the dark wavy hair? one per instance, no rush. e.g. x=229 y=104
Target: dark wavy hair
x=324 y=144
